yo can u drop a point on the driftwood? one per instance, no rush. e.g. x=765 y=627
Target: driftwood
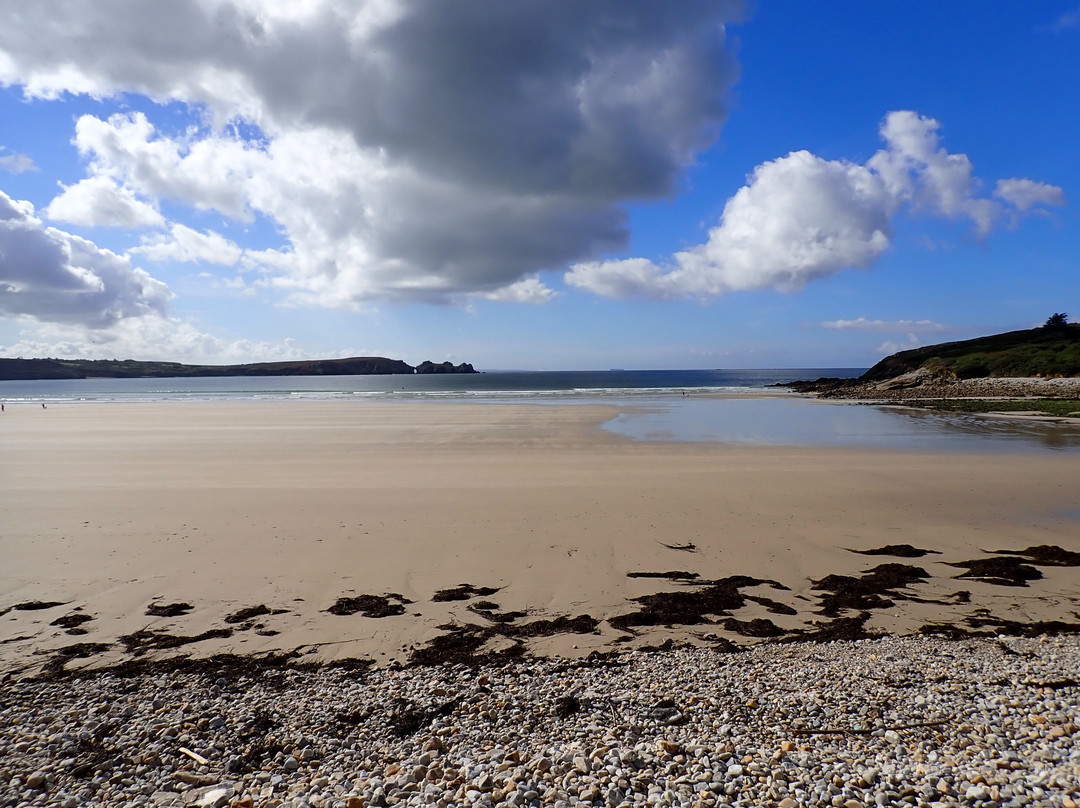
x=193 y=755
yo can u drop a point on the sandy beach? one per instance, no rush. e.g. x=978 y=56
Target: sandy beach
x=111 y=511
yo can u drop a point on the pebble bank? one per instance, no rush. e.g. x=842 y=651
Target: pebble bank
x=916 y=721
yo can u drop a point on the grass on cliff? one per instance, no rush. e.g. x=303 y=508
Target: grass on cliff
x=1035 y=352
x=1060 y=407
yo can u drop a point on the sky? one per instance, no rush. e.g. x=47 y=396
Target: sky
x=534 y=184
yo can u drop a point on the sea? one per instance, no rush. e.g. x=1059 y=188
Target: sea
x=723 y=406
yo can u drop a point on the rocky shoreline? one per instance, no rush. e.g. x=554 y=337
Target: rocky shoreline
x=892 y=721
x=922 y=385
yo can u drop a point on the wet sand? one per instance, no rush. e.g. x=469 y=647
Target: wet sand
x=109 y=509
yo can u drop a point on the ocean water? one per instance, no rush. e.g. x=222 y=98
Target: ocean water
x=730 y=406
x=495 y=385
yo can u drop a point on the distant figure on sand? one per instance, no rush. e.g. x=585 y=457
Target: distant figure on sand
x=42 y=405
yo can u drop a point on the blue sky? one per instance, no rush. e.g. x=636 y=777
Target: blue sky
x=554 y=186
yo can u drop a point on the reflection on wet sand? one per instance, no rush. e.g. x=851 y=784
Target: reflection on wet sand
x=783 y=421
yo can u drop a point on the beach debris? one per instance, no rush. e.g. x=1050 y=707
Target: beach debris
x=876 y=588
x=998 y=570
x=32 y=606
x=168 y=609
x=463 y=592
x=846 y=629
x=57 y=664
x=72 y=622
x=674 y=575
x=491 y=611
x=463 y=643
x=183 y=750
x=984 y=624
x=758 y=627
x=249 y=613
x=897 y=550
x=566 y=706
x=691 y=606
x=1045 y=555
x=407 y=718
x=370 y=605
x=689 y=547
x=143 y=640
x=774 y=606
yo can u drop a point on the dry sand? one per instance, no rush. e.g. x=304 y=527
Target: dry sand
x=108 y=508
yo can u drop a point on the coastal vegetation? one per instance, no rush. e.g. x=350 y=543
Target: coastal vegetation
x=1056 y=407
x=1052 y=350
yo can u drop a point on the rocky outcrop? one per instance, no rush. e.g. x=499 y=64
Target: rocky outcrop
x=920 y=385
x=444 y=367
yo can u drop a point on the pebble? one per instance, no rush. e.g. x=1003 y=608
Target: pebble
x=897 y=721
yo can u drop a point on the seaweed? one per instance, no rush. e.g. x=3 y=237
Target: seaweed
x=71 y=621
x=1045 y=555
x=898 y=551
x=143 y=640
x=689 y=607
x=463 y=592
x=872 y=590
x=998 y=570
x=168 y=609
x=370 y=605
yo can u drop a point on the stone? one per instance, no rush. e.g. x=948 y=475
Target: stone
x=36 y=780
x=976 y=794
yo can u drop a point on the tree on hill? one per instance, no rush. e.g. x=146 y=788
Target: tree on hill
x=1056 y=322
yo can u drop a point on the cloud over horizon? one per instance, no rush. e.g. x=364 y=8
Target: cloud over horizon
x=802 y=217
x=53 y=276
x=405 y=151
x=887 y=326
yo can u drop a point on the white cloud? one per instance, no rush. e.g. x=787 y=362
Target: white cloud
x=887 y=326
x=53 y=276
x=1070 y=19
x=185 y=245
x=100 y=202
x=150 y=338
x=15 y=163
x=409 y=150
x=619 y=279
x=1026 y=194
x=895 y=346
x=529 y=290
x=802 y=217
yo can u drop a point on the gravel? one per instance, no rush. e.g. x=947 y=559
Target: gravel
x=895 y=721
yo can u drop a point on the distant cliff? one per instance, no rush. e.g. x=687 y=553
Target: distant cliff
x=444 y=367
x=28 y=369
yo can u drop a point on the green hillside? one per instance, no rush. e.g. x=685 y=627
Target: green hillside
x=1046 y=351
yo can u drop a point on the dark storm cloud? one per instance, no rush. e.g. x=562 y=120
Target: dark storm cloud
x=530 y=121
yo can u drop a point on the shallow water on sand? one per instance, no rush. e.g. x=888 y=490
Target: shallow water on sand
x=791 y=421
